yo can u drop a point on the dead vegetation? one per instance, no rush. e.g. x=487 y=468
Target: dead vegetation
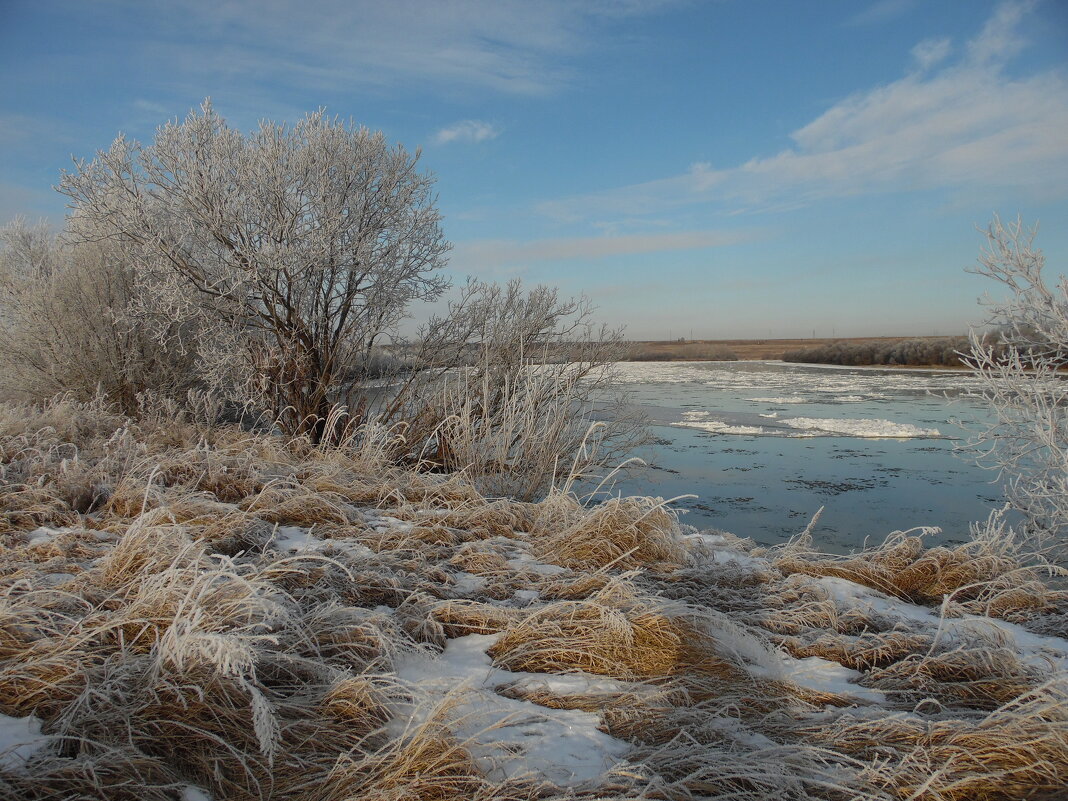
x=985 y=576
x=183 y=604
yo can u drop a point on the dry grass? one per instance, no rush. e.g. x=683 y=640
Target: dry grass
x=424 y=764
x=864 y=652
x=593 y=637
x=983 y=576
x=1017 y=751
x=462 y=617
x=975 y=678
x=621 y=533
x=167 y=635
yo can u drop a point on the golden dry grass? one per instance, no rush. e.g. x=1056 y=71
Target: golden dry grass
x=167 y=637
x=621 y=533
x=981 y=576
x=1017 y=751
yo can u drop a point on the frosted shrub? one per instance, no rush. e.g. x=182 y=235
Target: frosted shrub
x=67 y=323
x=1022 y=367
x=512 y=385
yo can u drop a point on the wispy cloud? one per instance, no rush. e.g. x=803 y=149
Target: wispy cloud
x=966 y=125
x=495 y=253
x=1000 y=39
x=512 y=46
x=881 y=11
x=930 y=52
x=467 y=131
x=28 y=127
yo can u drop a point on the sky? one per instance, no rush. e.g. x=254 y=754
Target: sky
x=717 y=169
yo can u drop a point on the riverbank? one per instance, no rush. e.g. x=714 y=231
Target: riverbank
x=754 y=349
x=192 y=611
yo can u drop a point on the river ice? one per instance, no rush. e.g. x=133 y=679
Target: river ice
x=763 y=445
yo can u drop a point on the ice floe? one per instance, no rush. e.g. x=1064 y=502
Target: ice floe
x=718 y=427
x=814 y=427
x=860 y=428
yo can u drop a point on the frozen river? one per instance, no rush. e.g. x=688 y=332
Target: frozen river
x=765 y=444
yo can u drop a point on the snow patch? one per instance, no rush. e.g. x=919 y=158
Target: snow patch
x=20 y=739
x=1037 y=650
x=43 y=534
x=294 y=539
x=717 y=549
x=826 y=676
x=523 y=561
x=387 y=523
x=526 y=596
x=508 y=737
x=465 y=583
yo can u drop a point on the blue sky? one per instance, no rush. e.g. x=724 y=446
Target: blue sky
x=739 y=168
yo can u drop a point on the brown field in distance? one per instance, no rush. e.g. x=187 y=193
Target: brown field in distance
x=745 y=349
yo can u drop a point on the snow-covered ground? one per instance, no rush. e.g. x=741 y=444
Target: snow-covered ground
x=510 y=737
x=20 y=739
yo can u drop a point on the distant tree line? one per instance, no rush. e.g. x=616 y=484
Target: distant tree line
x=941 y=351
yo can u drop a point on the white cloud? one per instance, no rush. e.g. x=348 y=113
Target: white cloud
x=930 y=52
x=999 y=39
x=511 y=46
x=967 y=125
x=493 y=253
x=467 y=131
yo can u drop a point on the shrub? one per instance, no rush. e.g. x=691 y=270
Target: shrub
x=1021 y=367
x=67 y=324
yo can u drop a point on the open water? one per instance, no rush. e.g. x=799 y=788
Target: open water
x=763 y=445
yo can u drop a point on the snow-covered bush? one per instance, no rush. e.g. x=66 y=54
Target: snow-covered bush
x=1022 y=365
x=67 y=324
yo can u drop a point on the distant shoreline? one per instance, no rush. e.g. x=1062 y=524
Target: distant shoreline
x=690 y=350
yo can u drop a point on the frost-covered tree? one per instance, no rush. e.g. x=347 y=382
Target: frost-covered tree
x=294 y=248
x=1022 y=361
